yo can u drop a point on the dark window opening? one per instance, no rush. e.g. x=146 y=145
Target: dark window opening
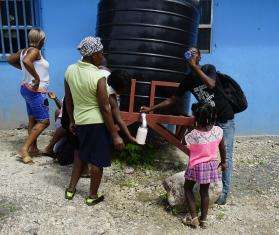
x=205 y=27
x=17 y=17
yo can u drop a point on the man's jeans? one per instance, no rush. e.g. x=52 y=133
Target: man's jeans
x=229 y=131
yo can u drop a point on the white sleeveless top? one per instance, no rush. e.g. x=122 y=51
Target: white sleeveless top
x=42 y=68
x=110 y=90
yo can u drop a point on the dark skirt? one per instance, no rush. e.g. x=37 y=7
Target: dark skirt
x=204 y=173
x=65 y=123
x=95 y=146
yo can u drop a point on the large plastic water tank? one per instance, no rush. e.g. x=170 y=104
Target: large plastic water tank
x=148 y=38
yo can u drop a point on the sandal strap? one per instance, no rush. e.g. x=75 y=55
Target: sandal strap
x=195 y=222
x=202 y=221
x=187 y=220
x=27 y=160
x=194 y=219
x=69 y=194
x=92 y=201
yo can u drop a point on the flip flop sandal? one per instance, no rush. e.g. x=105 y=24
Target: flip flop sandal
x=89 y=201
x=36 y=154
x=27 y=160
x=69 y=195
x=203 y=223
x=187 y=220
x=48 y=154
x=193 y=223
x=87 y=176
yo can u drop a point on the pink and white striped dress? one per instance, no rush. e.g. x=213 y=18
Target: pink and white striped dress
x=203 y=151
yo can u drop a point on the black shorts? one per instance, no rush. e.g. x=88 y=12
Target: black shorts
x=95 y=146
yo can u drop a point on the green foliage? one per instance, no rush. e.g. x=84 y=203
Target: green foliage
x=135 y=155
x=164 y=197
x=221 y=215
x=6 y=209
x=129 y=183
x=176 y=210
x=12 y=208
x=263 y=162
x=145 y=197
x=118 y=164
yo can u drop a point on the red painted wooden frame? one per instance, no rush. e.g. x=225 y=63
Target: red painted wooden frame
x=155 y=121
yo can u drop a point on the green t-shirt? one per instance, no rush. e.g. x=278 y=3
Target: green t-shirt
x=82 y=79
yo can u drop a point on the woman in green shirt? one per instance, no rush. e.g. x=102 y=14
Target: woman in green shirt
x=90 y=116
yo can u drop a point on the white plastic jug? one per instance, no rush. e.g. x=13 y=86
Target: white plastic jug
x=142 y=130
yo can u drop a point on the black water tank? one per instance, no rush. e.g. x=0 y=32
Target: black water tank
x=148 y=39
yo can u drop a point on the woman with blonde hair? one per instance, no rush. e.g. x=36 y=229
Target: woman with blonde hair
x=34 y=87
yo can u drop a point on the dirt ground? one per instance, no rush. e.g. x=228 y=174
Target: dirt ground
x=32 y=197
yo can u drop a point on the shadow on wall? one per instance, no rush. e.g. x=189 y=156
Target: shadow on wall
x=15 y=118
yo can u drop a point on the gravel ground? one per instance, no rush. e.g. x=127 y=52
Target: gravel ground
x=32 y=197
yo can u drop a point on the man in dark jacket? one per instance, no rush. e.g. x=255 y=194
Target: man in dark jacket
x=201 y=82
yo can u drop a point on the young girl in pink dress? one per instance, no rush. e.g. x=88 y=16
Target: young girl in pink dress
x=203 y=144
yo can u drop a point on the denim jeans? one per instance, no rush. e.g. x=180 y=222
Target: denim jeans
x=36 y=104
x=229 y=131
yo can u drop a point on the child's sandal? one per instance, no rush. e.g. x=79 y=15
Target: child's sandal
x=69 y=195
x=89 y=201
x=203 y=223
x=187 y=220
x=193 y=223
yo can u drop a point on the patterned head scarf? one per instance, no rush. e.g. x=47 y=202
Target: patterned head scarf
x=90 y=45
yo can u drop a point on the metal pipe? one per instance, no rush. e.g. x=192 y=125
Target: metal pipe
x=24 y=21
x=2 y=35
x=32 y=13
x=9 y=27
x=17 y=29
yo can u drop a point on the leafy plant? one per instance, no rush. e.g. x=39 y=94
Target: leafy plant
x=221 y=215
x=174 y=210
x=163 y=197
x=129 y=183
x=135 y=155
x=6 y=209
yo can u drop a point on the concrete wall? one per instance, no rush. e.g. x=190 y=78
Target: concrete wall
x=65 y=24
x=245 y=45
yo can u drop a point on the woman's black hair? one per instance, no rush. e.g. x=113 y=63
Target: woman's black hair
x=120 y=81
x=205 y=114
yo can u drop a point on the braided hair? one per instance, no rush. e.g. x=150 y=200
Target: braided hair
x=205 y=114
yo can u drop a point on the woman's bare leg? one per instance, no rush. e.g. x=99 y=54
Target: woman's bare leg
x=58 y=135
x=32 y=137
x=76 y=173
x=96 y=177
x=33 y=150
